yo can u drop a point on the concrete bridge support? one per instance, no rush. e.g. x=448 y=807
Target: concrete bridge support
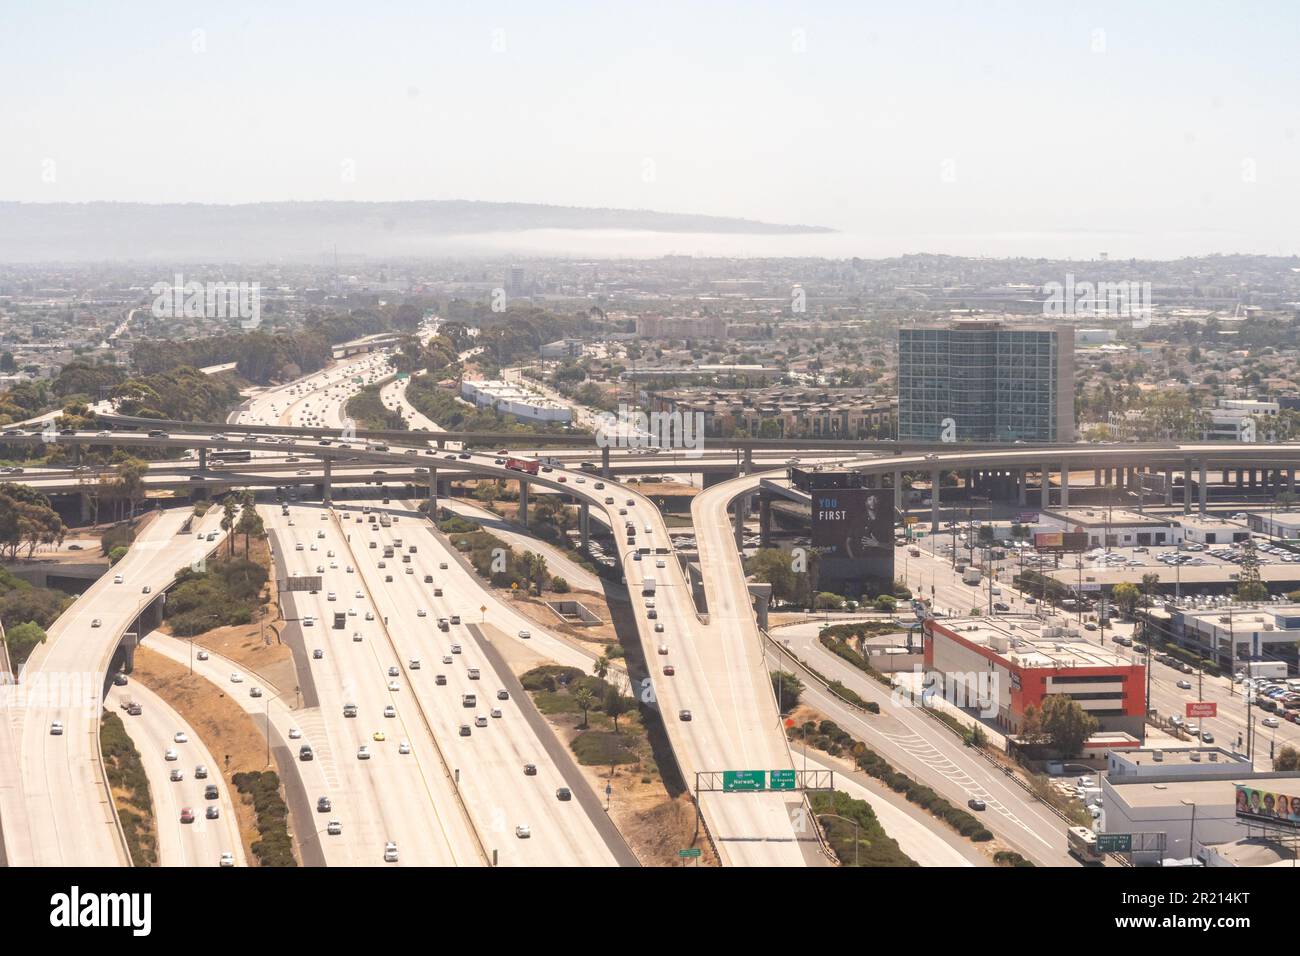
x=898 y=493
x=327 y=488
x=604 y=461
x=1204 y=488
x=1045 y=488
x=1187 y=486
x=764 y=521
x=584 y=525
x=742 y=509
x=1169 y=487
x=203 y=459
x=1065 y=485
x=523 y=503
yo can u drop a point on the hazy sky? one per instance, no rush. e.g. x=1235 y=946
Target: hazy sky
x=1144 y=126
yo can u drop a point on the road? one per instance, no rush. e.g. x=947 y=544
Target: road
x=55 y=808
x=153 y=732
x=490 y=759
x=924 y=749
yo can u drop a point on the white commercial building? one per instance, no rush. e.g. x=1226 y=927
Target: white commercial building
x=509 y=399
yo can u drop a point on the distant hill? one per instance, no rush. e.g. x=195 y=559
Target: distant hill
x=303 y=230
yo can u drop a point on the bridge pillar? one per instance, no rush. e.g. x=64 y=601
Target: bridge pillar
x=76 y=455
x=1204 y=489
x=1241 y=479
x=1096 y=477
x=934 y=500
x=762 y=599
x=329 y=480
x=1020 y=487
x=203 y=459
x=742 y=506
x=1065 y=484
x=749 y=460
x=764 y=521
x=85 y=506
x=1254 y=479
x=584 y=525
x=1290 y=480
x=523 y=503
x=604 y=461
x=1187 y=486
x=898 y=492
x=1045 y=488
x=1169 y=487
x=433 y=493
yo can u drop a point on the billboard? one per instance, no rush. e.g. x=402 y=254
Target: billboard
x=1265 y=806
x=1060 y=542
x=302 y=582
x=1202 y=708
x=853 y=523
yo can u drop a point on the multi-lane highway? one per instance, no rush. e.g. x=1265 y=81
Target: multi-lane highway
x=54 y=804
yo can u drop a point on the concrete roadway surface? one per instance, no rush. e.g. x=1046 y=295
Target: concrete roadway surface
x=314 y=778
x=153 y=732
x=405 y=798
x=53 y=803
x=720 y=678
x=321 y=394
x=489 y=759
x=924 y=749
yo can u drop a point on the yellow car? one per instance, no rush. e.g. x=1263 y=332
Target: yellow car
x=378 y=735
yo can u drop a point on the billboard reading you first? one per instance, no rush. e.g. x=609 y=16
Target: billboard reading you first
x=852 y=523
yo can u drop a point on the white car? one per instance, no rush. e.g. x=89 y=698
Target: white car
x=95 y=623
x=421 y=613
x=393 y=685
x=295 y=733
x=1270 y=722
x=227 y=859
x=390 y=711
x=523 y=832
x=236 y=678
x=170 y=754
x=404 y=747
x=56 y=728
x=524 y=635
x=181 y=737
x=363 y=752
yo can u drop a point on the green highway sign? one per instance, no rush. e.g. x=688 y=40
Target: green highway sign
x=782 y=780
x=743 y=780
x=1115 y=842
x=689 y=852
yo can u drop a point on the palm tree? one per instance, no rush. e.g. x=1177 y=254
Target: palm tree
x=586 y=700
x=229 y=507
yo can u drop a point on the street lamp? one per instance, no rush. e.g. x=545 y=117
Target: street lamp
x=856 y=830
x=1191 y=839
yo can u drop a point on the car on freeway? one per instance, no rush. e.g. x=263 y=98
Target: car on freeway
x=563 y=794
x=683 y=715
x=390 y=852
x=254 y=692
x=236 y=678
x=404 y=747
x=227 y=859
x=180 y=737
x=441 y=680
x=413 y=663
x=669 y=670
x=480 y=721
x=390 y=710
x=464 y=730
x=56 y=728
x=200 y=772
x=334 y=828
x=363 y=752
x=525 y=635
x=202 y=655
x=975 y=803
x=523 y=832
x=212 y=813
x=177 y=775
x=187 y=815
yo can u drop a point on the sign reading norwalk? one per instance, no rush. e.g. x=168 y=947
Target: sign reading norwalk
x=743 y=781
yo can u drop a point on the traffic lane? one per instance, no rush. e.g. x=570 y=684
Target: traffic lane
x=560 y=757
x=1016 y=819
x=496 y=753
x=929 y=753
x=426 y=762
x=311 y=774
x=202 y=842
x=291 y=632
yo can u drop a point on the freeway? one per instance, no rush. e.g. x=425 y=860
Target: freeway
x=154 y=732
x=487 y=742
x=407 y=798
x=53 y=800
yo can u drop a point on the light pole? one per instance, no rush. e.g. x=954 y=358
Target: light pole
x=1191 y=840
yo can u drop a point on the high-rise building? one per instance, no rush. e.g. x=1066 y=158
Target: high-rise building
x=982 y=380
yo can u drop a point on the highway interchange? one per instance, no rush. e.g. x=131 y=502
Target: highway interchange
x=442 y=795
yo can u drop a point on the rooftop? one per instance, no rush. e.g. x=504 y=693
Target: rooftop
x=1026 y=641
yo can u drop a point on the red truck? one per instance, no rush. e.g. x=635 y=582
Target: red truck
x=519 y=464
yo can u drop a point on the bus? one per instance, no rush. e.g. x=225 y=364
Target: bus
x=1082 y=844
x=225 y=457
